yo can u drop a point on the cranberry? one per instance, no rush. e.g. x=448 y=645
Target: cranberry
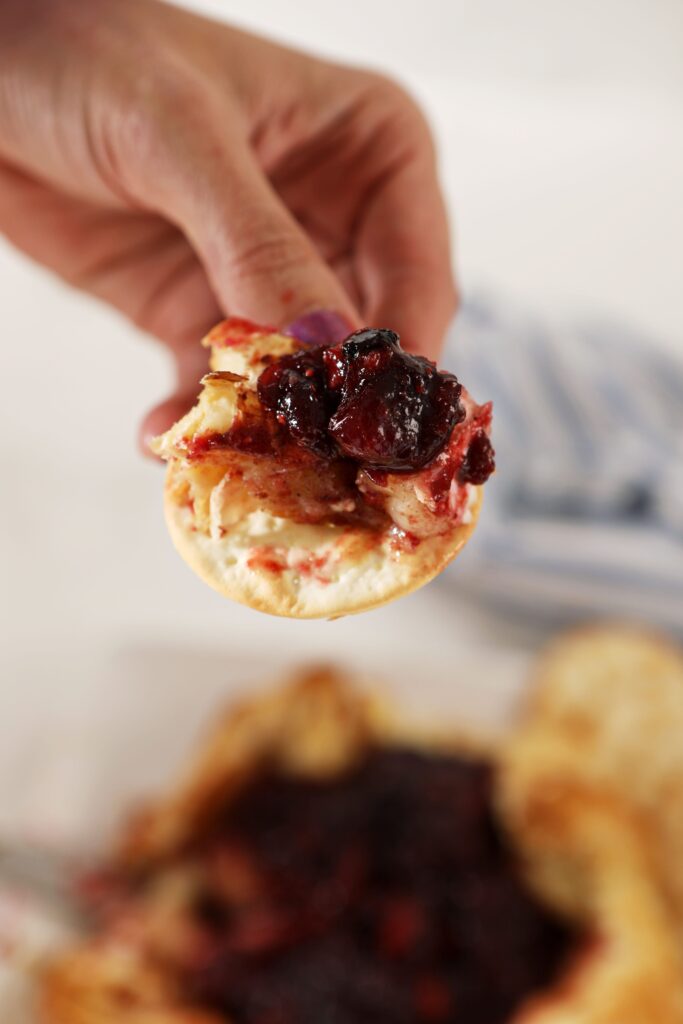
x=479 y=461
x=294 y=387
x=397 y=411
x=366 y=400
x=387 y=894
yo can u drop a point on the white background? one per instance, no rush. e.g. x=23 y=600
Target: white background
x=559 y=126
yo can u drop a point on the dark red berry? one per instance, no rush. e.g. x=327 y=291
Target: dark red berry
x=479 y=461
x=366 y=400
x=396 y=411
x=294 y=387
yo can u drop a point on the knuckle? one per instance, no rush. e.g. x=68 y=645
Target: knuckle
x=403 y=125
x=174 y=95
x=272 y=254
x=399 y=102
x=157 y=111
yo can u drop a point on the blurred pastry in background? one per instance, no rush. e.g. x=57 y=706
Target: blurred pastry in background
x=314 y=481
x=607 y=706
x=325 y=860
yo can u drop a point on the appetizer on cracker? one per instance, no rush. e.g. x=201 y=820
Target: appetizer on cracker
x=320 y=481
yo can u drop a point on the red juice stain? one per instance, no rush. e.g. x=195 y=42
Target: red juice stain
x=236 y=330
x=267 y=559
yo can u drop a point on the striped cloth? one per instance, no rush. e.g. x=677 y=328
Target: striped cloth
x=584 y=516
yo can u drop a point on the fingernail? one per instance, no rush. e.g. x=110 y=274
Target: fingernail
x=321 y=327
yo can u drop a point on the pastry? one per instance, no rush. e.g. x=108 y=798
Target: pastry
x=607 y=705
x=324 y=861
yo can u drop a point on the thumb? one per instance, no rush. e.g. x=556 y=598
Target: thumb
x=260 y=262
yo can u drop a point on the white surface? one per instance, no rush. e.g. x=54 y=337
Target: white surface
x=560 y=130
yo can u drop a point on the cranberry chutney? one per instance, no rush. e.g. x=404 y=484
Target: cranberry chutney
x=369 y=401
x=386 y=895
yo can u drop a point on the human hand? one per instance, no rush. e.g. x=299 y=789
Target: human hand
x=182 y=170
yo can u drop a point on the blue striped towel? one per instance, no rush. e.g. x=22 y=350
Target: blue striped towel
x=584 y=516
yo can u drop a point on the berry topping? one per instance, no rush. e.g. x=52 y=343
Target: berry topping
x=365 y=400
x=295 y=388
x=388 y=894
x=479 y=461
x=397 y=411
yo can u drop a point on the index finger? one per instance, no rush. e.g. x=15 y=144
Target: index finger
x=403 y=258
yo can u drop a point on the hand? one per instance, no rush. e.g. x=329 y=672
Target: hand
x=182 y=170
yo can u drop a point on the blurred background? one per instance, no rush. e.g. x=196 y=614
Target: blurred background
x=559 y=127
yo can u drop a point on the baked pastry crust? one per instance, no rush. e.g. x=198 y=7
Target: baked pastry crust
x=584 y=845
x=607 y=708
x=270 y=561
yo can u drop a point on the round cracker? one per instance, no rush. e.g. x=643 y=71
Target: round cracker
x=329 y=571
